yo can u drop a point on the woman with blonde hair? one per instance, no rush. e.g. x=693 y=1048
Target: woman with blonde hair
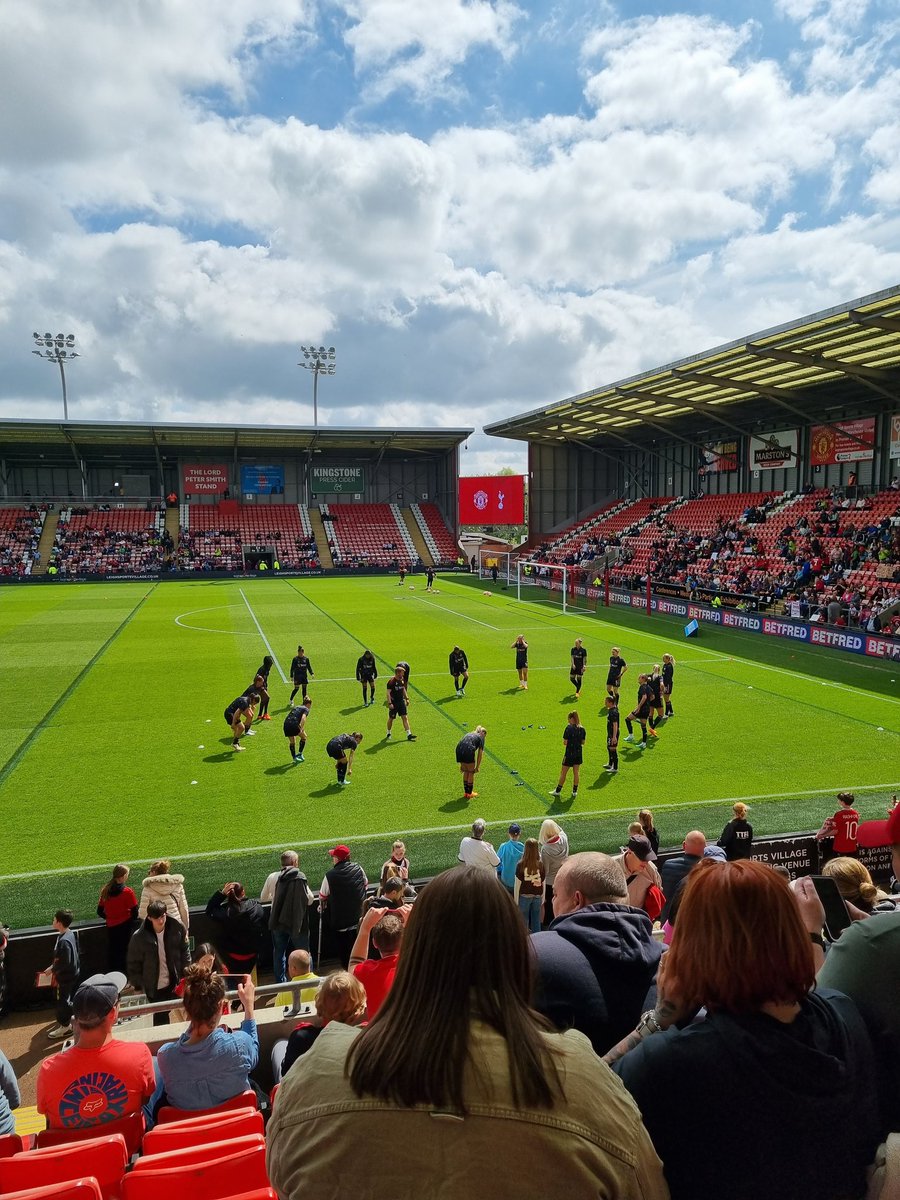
x=341 y=997
x=737 y=836
x=554 y=852
x=855 y=885
x=161 y=884
x=648 y=829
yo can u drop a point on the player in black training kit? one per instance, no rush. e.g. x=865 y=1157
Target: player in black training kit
x=366 y=674
x=521 y=648
x=405 y=668
x=398 y=701
x=641 y=712
x=459 y=669
x=656 y=696
x=429 y=579
x=579 y=666
x=295 y=728
x=617 y=668
x=469 y=750
x=239 y=716
x=668 y=674
x=612 y=735
x=574 y=736
x=301 y=670
x=341 y=749
x=260 y=685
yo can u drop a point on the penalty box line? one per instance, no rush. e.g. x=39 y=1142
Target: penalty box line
x=499 y=823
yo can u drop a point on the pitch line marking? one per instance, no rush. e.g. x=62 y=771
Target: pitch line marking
x=267 y=643
x=409 y=833
x=454 y=613
x=206 y=628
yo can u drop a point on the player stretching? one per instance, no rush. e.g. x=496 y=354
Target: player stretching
x=366 y=674
x=239 y=716
x=459 y=669
x=398 y=701
x=295 y=729
x=469 y=750
x=617 y=668
x=521 y=648
x=579 y=666
x=301 y=670
x=341 y=749
x=641 y=713
x=260 y=685
x=668 y=674
x=656 y=696
x=612 y=735
x=574 y=736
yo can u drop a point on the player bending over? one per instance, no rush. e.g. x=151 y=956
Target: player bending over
x=295 y=729
x=574 y=736
x=260 y=685
x=641 y=712
x=459 y=669
x=398 y=701
x=578 y=667
x=469 y=750
x=341 y=749
x=239 y=716
x=656 y=696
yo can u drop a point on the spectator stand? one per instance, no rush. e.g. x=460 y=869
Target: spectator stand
x=20 y=533
x=442 y=546
x=221 y=537
x=367 y=535
x=110 y=541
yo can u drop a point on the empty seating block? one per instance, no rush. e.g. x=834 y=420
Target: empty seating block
x=440 y=541
x=366 y=535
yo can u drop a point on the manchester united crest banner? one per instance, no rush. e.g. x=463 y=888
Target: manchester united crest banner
x=492 y=500
x=848 y=441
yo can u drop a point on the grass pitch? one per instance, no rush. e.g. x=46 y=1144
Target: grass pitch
x=114 y=746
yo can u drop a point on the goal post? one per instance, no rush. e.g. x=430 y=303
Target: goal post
x=552 y=578
x=501 y=560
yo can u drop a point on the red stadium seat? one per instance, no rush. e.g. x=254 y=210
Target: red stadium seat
x=266 y=1193
x=130 y=1127
x=205 y=1152
x=103 y=1158
x=244 y=1170
x=76 y=1189
x=169 y=1113
x=198 y=1131
x=13 y=1143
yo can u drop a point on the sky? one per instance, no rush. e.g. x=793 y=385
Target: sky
x=483 y=206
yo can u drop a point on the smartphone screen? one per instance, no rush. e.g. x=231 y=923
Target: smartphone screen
x=837 y=917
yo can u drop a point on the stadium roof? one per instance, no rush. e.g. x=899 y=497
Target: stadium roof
x=842 y=361
x=20 y=438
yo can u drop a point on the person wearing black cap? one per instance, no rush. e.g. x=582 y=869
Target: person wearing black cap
x=99 y=1079
x=341 y=897
x=510 y=854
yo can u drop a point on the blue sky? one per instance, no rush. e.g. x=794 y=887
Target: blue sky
x=484 y=206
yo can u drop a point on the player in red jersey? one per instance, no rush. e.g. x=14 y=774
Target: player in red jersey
x=842 y=828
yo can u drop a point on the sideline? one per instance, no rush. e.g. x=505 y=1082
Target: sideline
x=499 y=823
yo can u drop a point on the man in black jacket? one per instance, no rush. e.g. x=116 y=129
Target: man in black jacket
x=597 y=961
x=289 y=916
x=244 y=924
x=158 y=957
x=341 y=897
x=675 y=870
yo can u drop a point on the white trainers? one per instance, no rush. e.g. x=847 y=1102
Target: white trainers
x=629 y=738
x=642 y=745
x=58 y=1032
x=238 y=747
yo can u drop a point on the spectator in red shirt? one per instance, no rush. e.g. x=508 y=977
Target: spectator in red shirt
x=841 y=829
x=118 y=907
x=377 y=974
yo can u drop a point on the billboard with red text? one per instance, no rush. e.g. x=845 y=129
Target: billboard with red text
x=492 y=500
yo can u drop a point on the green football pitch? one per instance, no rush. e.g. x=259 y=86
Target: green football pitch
x=114 y=746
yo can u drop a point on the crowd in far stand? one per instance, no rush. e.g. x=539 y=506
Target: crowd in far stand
x=617 y=1046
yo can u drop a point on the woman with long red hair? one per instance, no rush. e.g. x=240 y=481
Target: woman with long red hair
x=772 y=1093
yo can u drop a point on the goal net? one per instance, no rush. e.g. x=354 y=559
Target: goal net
x=500 y=561
x=552 y=583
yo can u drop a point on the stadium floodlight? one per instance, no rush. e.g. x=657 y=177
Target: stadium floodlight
x=59 y=350
x=320 y=361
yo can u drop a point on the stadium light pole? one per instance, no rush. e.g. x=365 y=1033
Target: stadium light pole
x=321 y=362
x=59 y=350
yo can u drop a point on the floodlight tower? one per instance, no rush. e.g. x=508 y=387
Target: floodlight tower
x=321 y=362
x=59 y=350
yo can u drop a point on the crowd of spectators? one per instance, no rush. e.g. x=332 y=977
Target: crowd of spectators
x=86 y=544
x=613 y=1047
x=222 y=550
x=20 y=533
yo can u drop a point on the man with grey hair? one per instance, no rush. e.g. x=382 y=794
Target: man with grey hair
x=474 y=851
x=597 y=961
x=99 y=1079
x=289 y=894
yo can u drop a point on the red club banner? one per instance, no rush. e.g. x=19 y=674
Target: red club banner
x=849 y=441
x=492 y=500
x=201 y=479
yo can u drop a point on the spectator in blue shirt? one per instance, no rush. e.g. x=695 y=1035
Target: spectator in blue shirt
x=510 y=853
x=208 y=1064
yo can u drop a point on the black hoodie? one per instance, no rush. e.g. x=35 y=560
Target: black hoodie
x=594 y=969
